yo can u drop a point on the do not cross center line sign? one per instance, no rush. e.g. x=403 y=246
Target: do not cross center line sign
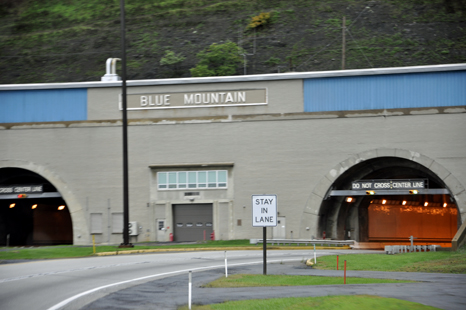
x=264 y=210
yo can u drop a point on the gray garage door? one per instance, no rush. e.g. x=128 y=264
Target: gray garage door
x=192 y=222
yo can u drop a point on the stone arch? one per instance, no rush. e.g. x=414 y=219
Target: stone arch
x=76 y=211
x=311 y=219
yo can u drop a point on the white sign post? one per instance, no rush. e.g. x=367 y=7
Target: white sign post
x=264 y=214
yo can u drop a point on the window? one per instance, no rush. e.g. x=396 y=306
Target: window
x=192 y=179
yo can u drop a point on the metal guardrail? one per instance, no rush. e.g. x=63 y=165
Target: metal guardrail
x=298 y=242
x=400 y=249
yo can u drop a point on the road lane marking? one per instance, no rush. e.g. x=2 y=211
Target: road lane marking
x=72 y=298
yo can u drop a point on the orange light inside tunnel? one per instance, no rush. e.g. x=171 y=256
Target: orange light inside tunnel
x=61 y=208
x=349 y=199
x=384 y=201
x=34 y=206
x=404 y=202
x=12 y=205
x=426 y=204
x=445 y=205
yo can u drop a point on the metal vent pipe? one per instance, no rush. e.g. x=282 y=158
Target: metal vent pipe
x=110 y=74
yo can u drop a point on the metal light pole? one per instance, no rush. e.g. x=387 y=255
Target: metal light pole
x=125 y=243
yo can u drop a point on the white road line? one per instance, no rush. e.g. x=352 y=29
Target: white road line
x=67 y=301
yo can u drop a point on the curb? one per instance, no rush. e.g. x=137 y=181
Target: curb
x=127 y=252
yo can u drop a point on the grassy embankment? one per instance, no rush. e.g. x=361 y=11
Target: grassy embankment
x=442 y=262
x=69 y=41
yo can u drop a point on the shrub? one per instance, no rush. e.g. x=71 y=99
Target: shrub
x=170 y=58
x=272 y=61
x=260 y=20
x=218 y=60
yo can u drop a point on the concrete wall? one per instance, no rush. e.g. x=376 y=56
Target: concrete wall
x=294 y=156
x=283 y=97
x=272 y=148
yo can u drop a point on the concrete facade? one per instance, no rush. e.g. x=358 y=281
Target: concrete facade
x=274 y=148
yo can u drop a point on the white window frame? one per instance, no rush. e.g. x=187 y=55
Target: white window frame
x=188 y=180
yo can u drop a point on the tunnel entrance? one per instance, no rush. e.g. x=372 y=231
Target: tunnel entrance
x=390 y=217
x=32 y=212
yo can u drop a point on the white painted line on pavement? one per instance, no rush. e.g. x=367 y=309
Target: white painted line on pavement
x=67 y=301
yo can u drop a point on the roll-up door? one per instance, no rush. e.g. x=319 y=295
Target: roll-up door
x=192 y=222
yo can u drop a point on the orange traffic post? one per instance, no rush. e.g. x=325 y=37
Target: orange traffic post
x=337 y=262
x=344 y=277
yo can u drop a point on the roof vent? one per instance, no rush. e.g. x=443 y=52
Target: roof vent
x=111 y=70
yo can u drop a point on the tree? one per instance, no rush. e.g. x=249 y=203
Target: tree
x=218 y=60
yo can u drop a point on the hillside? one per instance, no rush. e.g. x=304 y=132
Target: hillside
x=69 y=40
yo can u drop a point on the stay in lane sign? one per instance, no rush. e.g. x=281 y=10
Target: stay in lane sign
x=264 y=210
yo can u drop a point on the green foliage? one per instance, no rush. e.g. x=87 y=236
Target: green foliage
x=146 y=42
x=444 y=262
x=202 y=70
x=62 y=251
x=170 y=58
x=272 y=61
x=42 y=36
x=260 y=20
x=218 y=60
x=250 y=280
x=353 y=302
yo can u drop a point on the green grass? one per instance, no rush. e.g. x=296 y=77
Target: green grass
x=443 y=262
x=77 y=251
x=253 y=280
x=35 y=34
x=356 y=302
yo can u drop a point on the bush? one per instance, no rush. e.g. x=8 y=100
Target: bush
x=272 y=61
x=218 y=60
x=259 y=20
x=170 y=58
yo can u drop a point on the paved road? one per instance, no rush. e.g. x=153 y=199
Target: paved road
x=55 y=284
x=444 y=291
x=160 y=281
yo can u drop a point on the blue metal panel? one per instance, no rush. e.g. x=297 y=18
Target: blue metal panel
x=396 y=91
x=20 y=106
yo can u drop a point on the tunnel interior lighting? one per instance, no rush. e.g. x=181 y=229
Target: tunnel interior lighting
x=349 y=199
x=61 y=207
x=384 y=201
x=12 y=205
x=426 y=204
x=445 y=205
x=370 y=193
x=404 y=202
x=34 y=206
